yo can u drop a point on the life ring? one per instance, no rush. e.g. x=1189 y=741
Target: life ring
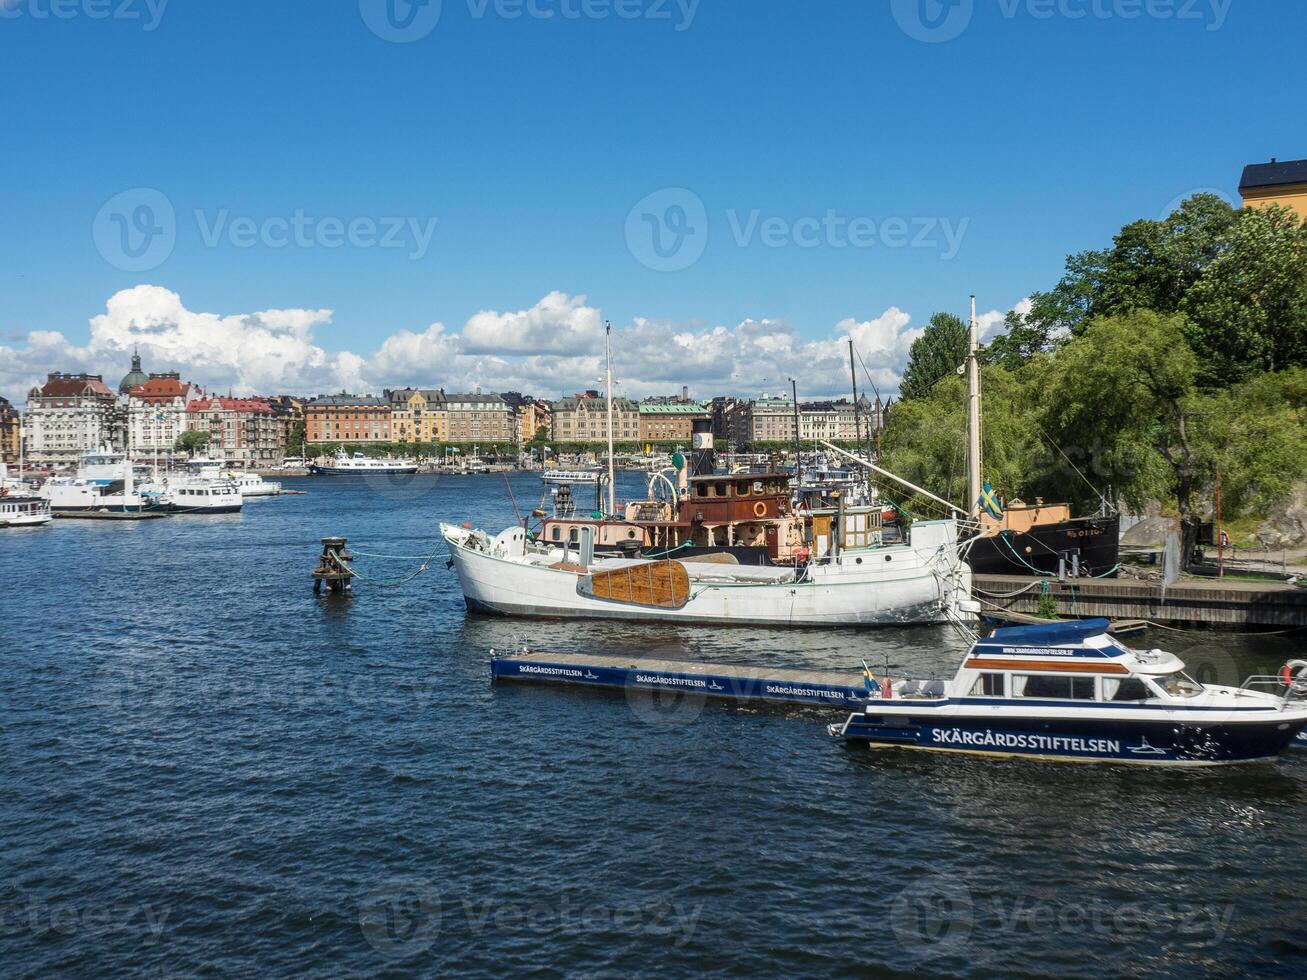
x=1290 y=671
x=759 y=509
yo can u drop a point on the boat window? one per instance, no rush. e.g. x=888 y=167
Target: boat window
x=721 y=489
x=1125 y=689
x=573 y=535
x=988 y=686
x=558 y=534
x=1179 y=685
x=1065 y=688
x=741 y=489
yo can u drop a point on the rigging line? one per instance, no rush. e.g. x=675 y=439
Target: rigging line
x=1082 y=476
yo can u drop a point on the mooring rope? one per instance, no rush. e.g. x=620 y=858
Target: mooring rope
x=382 y=583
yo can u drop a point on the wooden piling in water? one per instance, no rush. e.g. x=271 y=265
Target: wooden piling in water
x=333 y=568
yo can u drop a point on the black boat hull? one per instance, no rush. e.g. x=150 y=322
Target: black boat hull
x=1096 y=541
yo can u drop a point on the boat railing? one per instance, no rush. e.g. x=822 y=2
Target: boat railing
x=1275 y=684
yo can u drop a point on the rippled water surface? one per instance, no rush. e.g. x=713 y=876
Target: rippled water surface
x=204 y=769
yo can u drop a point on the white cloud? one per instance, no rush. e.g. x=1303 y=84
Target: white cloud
x=553 y=348
x=558 y=324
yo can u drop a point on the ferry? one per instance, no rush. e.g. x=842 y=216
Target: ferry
x=1069 y=691
x=360 y=465
x=202 y=490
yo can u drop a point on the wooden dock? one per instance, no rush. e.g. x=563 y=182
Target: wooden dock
x=1219 y=603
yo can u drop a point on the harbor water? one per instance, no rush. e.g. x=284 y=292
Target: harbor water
x=206 y=769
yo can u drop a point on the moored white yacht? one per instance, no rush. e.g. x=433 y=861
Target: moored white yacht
x=19 y=507
x=1069 y=691
x=361 y=465
x=202 y=489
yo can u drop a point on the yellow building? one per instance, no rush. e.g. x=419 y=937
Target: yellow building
x=532 y=416
x=1264 y=184
x=418 y=415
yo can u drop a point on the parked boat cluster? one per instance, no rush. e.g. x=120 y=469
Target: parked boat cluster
x=759 y=547
x=106 y=484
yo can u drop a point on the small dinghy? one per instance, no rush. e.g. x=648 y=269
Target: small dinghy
x=1069 y=691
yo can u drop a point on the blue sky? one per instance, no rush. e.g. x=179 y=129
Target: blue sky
x=528 y=140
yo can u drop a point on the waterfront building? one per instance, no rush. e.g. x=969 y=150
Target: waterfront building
x=772 y=419
x=530 y=415
x=68 y=415
x=669 y=421
x=243 y=432
x=584 y=418
x=1264 y=184
x=418 y=415
x=347 y=418
x=11 y=433
x=156 y=413
x=479 y=418
x=835 y=421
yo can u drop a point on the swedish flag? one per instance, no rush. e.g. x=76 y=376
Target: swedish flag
x=989 y=502
x=873 y=686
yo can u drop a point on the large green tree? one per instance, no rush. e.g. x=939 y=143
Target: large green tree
x=938 y=352
x=1130 y=386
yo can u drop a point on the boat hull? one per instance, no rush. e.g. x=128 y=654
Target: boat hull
x=1097 y=539
x=317 y=470
x=1156 y=741
x=870 y=596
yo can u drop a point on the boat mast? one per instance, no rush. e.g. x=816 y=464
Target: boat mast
x=608 y=359
x=857 y=419
x=798 y=446
x=973 y=414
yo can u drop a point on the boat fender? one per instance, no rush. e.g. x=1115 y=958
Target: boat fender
x=1292 y=673
x=759 y=509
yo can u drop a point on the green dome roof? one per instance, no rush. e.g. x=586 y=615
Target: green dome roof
x=134 y=377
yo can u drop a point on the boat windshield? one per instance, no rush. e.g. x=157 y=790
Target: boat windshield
x=1179 y=685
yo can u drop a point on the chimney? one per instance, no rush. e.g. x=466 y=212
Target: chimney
x=703 y=458
x=685 y=393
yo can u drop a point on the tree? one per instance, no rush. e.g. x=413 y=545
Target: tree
x=1248 y=309
x=192 y=442
x=938 y=352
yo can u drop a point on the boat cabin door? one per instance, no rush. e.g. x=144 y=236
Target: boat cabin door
x=773 y=542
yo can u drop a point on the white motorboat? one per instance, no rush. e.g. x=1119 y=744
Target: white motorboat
x=202 y=489
x=572 y=476
x=1069 y=691
x=361 y=465
x=23 y=510
x=253 y=485
x=922 y=581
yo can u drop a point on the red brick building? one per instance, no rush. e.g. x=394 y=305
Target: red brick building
x=244 y=432
x=347 y=418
